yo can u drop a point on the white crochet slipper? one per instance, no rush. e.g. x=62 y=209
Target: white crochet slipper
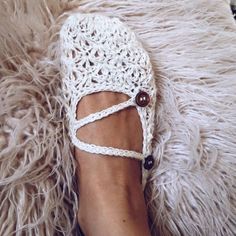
x=100 y=53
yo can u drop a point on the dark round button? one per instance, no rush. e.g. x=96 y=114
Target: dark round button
x=142 y=99
x=148 y=162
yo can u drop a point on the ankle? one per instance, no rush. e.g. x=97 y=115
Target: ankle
x=112 y=205
x=110 y=193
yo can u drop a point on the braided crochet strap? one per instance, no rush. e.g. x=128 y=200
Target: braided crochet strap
x=95 y=149
x=102 y=114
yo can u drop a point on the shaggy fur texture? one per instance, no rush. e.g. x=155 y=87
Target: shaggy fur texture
x=192 y=47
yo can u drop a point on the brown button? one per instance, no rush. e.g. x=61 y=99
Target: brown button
x=148 y=162
x=142 y=99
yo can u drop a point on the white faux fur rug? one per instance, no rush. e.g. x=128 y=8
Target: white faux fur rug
x=192 y=47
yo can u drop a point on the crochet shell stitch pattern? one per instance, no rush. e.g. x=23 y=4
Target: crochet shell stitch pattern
x=191 y=45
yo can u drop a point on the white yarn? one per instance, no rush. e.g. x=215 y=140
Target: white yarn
x=191 y=190
x=99 y=53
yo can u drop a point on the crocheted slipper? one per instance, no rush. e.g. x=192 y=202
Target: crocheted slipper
x=100 y=53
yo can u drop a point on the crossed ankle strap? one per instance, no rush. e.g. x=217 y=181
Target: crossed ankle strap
x=95 y=149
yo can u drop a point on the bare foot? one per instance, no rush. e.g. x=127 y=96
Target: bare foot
x=111 y=198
